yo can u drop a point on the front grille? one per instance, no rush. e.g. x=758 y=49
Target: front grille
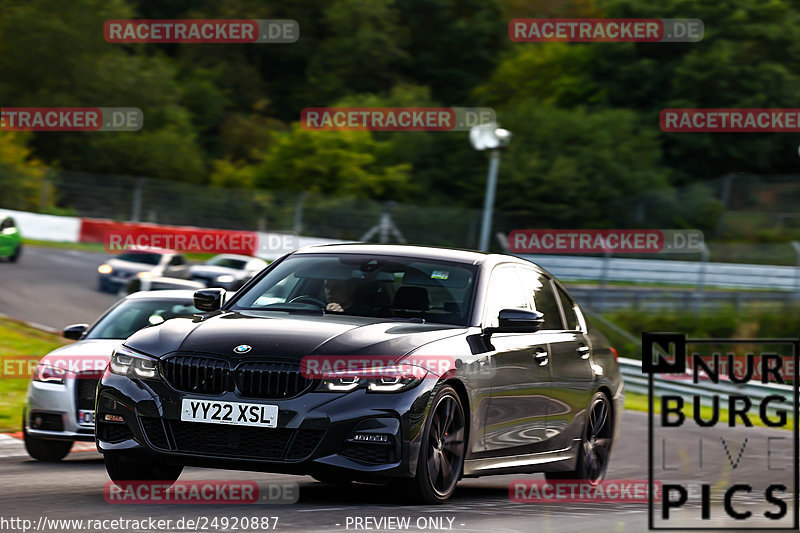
x=239 y=441
x=231 y=441
x=305 y=442
x=271 y=380
x=196 y=374
x=154 y=431
x=85 y=390
x=367 y=452
x=110 y=432
x=265 y=380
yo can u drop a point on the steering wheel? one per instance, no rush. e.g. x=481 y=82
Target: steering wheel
x=307 y=299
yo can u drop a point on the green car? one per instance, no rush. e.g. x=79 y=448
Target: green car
x=10 y=240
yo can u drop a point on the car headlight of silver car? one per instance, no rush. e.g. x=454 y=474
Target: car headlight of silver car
x=49 y=374
x=225 y=278
x=127 y=362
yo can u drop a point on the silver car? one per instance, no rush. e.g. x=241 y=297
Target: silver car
x=227 y=271
x=59 y=408
x=118 y=271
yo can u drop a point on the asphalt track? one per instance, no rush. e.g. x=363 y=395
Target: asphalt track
x=56 y=287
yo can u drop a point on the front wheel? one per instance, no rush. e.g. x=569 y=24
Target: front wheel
x=140 y=468
x=17 y=252
x=47 y=451
x=595 y=450
x=441 y=454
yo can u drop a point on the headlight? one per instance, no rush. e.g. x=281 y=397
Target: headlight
x=105 y=269
x=340 y=384
x=49 y=374
x=392 y=379
x=225 y=278
x=392 y=384
x=127 y=362
x=144 y=275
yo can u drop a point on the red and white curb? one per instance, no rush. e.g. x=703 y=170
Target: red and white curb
x=11 y=445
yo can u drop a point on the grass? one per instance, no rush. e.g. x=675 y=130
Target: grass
x=18 y=339
x=97 y=247
x=639 y=402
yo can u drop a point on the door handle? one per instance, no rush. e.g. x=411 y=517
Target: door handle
x=541 y=356
x=583 y=351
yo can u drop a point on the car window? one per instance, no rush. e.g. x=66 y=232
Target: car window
x=570 y=309
x=505 y=292
x=228 y=262
x=177 y=260
x=140 y=257
x=363 y=285
x=132 y=315
x=540 y=289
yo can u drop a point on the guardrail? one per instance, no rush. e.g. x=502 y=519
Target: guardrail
x=637 y=382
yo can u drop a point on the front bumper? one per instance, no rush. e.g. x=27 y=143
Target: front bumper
x=55 y=408
x=314 y=434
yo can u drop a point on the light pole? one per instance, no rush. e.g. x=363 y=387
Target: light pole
x=489 y=137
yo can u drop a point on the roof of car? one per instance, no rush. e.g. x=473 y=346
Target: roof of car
x=430 y=252
x=170 y=294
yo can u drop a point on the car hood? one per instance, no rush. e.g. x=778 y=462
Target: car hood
x=287 y=337
x=129 y=266
x=81 y=356
x=213 y=270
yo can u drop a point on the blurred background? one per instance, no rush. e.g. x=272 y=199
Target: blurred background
x=222 y=146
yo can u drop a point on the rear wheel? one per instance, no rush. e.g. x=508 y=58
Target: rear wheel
x=441 y=454
x=140 y=468
x=47 y=451
x=595 y=450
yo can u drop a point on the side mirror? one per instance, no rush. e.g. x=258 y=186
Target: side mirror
x=74 y=331
x=209 y=299
x=518 y=321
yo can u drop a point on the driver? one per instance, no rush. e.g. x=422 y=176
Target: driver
x=340 y=295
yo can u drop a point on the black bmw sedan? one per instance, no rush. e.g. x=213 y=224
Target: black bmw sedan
x=407 y=365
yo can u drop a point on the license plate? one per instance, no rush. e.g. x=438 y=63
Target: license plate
x=234 y=413
x=86 y=418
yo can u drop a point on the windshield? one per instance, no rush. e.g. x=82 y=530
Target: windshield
x=227 y=262
x=360 y=285
x=140 y=257
x=132 y=315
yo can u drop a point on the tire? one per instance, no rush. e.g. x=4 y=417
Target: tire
x=44 y=450
x=103 y=285
x=140 y=468
x=441 y=460
x=17 y=252
x=595 y=450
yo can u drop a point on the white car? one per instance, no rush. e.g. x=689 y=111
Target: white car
x=227 y=271
x=59 y=408
x=118 y=271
